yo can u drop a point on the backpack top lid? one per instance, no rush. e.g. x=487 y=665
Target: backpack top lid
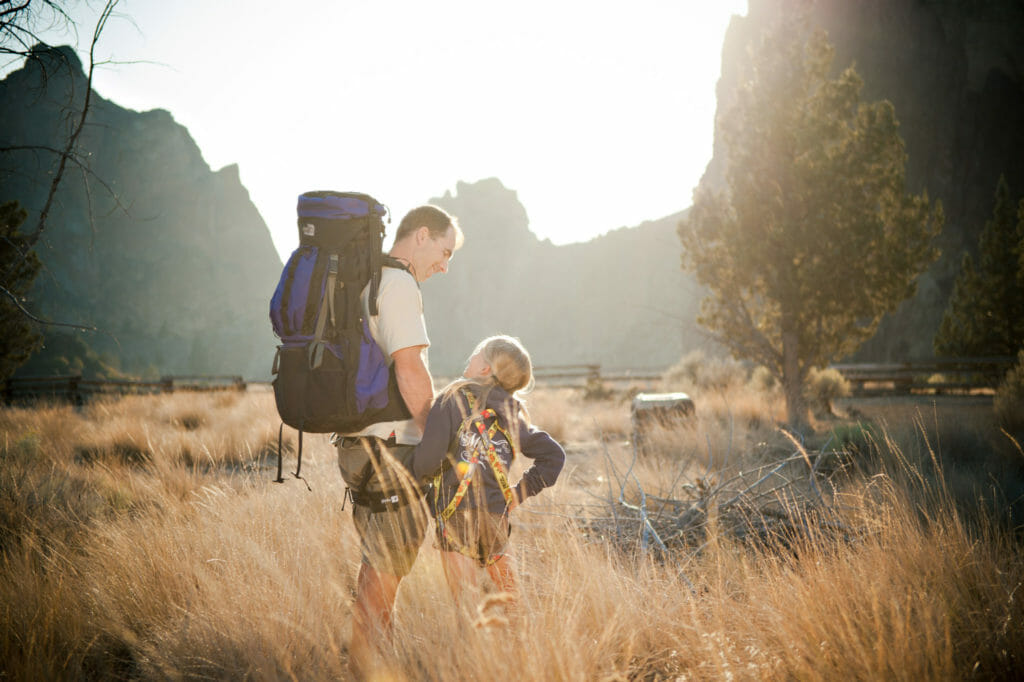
x=333 y=219
x=328 y=205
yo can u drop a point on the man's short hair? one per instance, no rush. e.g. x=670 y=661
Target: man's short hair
x=437 y=220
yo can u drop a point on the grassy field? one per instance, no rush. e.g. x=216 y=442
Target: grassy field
x=144 y=538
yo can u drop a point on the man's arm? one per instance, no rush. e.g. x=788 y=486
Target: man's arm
x=414 y=383
x=430 y=454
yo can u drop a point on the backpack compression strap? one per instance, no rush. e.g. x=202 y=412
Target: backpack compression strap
x=316 y=347
x=486 y=444
x=280 y=458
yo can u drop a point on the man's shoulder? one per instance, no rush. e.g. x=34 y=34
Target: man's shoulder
x=397 y=282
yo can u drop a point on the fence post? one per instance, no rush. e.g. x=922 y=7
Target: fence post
x=74 y=393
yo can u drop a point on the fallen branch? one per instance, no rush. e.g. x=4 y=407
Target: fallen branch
x=782 y=505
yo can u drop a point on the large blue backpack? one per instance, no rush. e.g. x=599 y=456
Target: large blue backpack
x=329 y=374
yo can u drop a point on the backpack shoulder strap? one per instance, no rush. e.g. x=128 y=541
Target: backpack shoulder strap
x=386 y=261
x=392 y=262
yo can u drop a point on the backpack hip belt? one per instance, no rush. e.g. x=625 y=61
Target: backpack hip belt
x=378 y=503
x=377 y=500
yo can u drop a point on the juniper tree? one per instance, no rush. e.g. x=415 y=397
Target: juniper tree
x=815 y=237
x=985 y=315
x=1020 y=244
x=18 y=338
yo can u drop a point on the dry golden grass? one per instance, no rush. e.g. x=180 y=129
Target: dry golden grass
x=144 y=538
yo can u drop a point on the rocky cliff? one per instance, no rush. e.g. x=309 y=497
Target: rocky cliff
x=176 y=267
x=177 y=272
x=620 y=299
x=954 y=72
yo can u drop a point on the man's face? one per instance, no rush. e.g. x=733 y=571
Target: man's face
x=434 y=254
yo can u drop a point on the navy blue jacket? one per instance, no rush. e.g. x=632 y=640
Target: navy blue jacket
x=439 y=450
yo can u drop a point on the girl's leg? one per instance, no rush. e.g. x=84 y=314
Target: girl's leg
x=461 y=573
x=502 y=576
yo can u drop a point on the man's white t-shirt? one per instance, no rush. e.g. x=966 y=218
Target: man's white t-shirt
x=399 y=324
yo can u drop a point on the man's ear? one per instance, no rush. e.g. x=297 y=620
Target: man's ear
x=422 y=234
x=486 y=369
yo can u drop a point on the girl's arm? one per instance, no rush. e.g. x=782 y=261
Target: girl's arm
x=548 y=459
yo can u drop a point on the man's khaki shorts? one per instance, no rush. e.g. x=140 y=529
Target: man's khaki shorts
x=389 y=539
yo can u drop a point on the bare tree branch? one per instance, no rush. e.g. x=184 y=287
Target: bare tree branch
x=73 y=137
x=17 y=303
x=18 y=25
x=13 y=10
x=9 y=30
x=77 y=160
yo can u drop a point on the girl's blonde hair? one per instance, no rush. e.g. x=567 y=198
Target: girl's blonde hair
x=510 y=363
x=511 y=368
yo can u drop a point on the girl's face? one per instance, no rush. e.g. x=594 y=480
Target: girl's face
x=477 y=368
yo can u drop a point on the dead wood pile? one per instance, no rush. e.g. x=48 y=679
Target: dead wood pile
x=773 y=506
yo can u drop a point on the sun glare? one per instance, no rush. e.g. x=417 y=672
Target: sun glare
x=596 y=117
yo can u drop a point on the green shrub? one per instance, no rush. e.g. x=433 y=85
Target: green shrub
x=695 y=370
x=858 y=439
x=822 y=387
x=1009 y=399
x=597 y=390
x=761 y=379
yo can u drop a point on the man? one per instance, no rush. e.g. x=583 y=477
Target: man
x=390 y=517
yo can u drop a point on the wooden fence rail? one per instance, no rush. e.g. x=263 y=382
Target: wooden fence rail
x=77 y=390
x=562 y=372
x=578 y=375
x=958 y=375
x=952 y=375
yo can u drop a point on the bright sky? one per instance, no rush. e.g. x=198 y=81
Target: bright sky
x=598 y=114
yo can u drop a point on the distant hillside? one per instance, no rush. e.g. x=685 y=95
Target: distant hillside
x=181 y=283
x=954 y=72
x=620 y=299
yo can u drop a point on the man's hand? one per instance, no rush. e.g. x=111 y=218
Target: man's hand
x=414 y=382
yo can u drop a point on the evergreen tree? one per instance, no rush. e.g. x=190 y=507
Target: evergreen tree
x=19 y=267
x=815 y=237
x=1020 y=257
x=63 y=353
x=985 y=316
x=957 y=332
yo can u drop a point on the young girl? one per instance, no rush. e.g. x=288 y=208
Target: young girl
x=474 y=430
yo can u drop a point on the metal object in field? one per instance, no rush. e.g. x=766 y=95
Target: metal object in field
x=663 y=409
